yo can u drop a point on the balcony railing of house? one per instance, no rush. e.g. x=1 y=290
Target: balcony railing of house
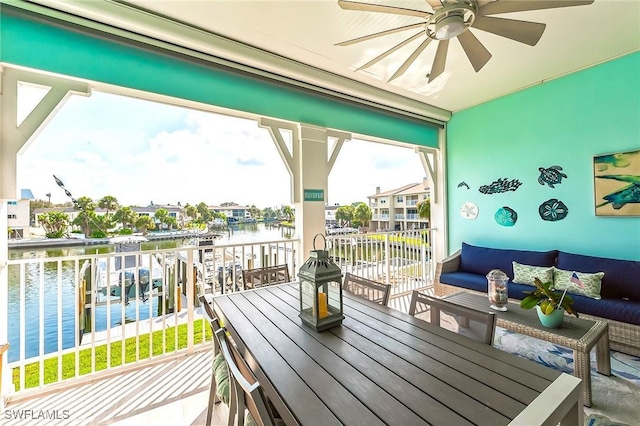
x=399 y=216
x=73 y=319
x=384 y=217
x=411 y=203
x=412 y=216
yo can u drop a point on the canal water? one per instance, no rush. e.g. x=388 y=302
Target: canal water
x=46 y=281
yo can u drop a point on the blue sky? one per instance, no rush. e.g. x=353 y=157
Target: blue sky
x=141 y=151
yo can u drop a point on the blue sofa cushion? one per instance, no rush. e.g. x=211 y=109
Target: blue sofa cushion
x=627 y=311
x=481 y=260
x=479 y=283
x=621 y=277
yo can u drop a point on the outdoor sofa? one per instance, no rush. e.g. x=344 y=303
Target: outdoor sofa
x=618 y=301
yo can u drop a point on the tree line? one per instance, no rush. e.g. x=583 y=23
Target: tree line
x=56 y=223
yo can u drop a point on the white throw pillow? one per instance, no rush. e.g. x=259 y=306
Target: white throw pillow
x=524 y=274
x=591 y=283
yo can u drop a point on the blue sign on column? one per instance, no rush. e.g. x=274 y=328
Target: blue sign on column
x=314 y=195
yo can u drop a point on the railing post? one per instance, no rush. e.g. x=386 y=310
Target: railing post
x=387 y=258
x=4 y=301
x=191 y=272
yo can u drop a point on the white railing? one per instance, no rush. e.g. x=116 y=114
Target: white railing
x=79 y=317
x=76 y=318
x=399 y=216
x=401 y=258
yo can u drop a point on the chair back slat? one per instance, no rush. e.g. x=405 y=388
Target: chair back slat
x=265 y=276
x=478 y=325
x=367 y=289
x=248 y=394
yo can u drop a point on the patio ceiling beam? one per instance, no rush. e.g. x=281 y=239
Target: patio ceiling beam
x=14 y=136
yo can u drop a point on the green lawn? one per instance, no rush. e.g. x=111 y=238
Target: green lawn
x=32 y=371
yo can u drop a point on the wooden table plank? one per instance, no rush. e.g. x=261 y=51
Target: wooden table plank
x=525 y=371
x=295 y=343
x=275 y=368
x=380 y=367
x=414 y=397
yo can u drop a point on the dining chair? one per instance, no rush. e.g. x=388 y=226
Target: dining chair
x=367 y=289
x=248 y=401
x=478 y=325
x=219 y=377
x=268 y=275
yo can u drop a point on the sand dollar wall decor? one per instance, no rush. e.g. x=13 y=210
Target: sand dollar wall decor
x=553 y=210
x=469 y=211
x=505 y=216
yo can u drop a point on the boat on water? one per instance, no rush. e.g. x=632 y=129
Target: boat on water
x=128 y=275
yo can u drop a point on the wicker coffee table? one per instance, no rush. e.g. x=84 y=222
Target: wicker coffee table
x=578 y=334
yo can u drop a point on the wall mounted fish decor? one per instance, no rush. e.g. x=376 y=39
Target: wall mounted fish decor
x=500 y=185
x=463 y=184
x=551 y=176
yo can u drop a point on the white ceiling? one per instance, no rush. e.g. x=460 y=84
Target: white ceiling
x=307 y=31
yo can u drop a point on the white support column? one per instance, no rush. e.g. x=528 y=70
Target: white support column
x=314 y=173
x=14 y=137
x=432 y=161
x=309 y=163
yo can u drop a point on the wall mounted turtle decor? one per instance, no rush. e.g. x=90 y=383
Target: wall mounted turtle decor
x=551 y=176
x=506 y=216
x=500 y=185
x=553 y=210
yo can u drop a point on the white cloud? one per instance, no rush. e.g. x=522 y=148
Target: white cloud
x=140 y=151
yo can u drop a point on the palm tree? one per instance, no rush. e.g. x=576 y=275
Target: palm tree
x=424 y=210
x=204 y=212
x=287 y=211
x=108 y=202
x=362 y=214
x=54 y=224
x=344 y=214
x=126 y=216
x=162 y=216
x=191 y=211
x=144 y=223
x=87 y=208
x=254 y=212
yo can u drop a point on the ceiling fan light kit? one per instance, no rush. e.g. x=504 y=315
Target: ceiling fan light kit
x=455 y=19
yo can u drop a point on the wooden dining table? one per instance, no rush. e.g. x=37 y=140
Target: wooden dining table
x=382 y=366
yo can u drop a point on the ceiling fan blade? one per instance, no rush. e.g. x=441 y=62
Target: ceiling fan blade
x=390 y=51
x=380 y=34
x=366 y=7
x=478 y=54
x=435 y=4
x=403 y=68
x=523 y=31
x=440 y=60
x=504 y=6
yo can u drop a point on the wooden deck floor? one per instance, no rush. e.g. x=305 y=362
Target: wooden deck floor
x=171 y=393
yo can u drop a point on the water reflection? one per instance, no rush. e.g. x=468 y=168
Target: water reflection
x=42 y=298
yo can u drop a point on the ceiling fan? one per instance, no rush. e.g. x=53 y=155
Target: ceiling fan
x=454 y=19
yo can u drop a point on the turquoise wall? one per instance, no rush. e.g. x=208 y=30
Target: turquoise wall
x=36 y=43
x=563 y=122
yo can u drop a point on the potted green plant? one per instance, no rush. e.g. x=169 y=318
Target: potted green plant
x=549 y=304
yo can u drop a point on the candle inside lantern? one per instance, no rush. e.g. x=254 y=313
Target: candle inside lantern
x=322 y=305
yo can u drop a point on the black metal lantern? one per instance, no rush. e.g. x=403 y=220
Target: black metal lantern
x=320 y=290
